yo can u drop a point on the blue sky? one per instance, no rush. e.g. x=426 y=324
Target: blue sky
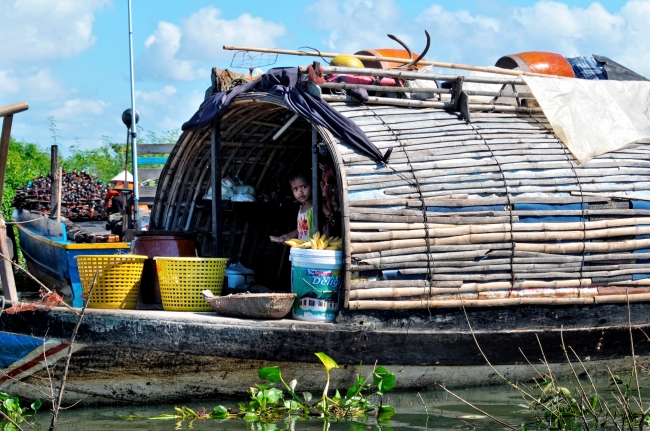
x=69 y=58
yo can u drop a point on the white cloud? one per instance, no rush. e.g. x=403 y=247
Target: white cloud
x=206 y=32
x=8 y=84
x=463 y=36
x=159 y=60
x=77 y=108
x=166 y=109
x=45 y=29
x=178 y=53
x=570 y=29
x=355 y=25
x=34 y=85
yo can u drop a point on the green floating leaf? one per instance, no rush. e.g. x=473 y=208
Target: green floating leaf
x=271 y=374
x=36 y=405
x=307 y=396
x=383 y=379
x=165 y=417
x=386 y=412
x=354 y=389
x=272 y=395
x=327 y=361
x=219 y=412
x=251 y=417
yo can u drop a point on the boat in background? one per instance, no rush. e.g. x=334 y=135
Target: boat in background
x=50 y=255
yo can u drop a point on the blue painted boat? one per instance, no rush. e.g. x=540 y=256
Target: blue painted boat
x=50 y=256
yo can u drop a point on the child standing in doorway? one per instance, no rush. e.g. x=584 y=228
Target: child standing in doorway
x=301 y=188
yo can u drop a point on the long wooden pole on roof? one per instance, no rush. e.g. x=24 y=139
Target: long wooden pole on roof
x=215 y=170
x=6 y=271
x=315 y=184
x=487 y=69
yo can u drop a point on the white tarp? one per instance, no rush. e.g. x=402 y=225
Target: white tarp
x=594 y=117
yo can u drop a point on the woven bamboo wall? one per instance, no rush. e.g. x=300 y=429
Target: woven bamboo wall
x=510 y=217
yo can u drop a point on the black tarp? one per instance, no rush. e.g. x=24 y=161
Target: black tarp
x=617 y=72
x=282 y=82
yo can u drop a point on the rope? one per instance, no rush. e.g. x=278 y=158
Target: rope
x=23 y=222
x=416 y=184
x=582 y=197
x=510 y=205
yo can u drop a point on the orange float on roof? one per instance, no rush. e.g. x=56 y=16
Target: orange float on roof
x=385 y=52
x=547 y=63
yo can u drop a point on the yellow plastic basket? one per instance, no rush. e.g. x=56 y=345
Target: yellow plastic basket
x=118 y=279
x=182 y=279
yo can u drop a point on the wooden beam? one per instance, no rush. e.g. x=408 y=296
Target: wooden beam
x=315 y=184
x=13 y=109
x=54 y=172
x=6 y=270
x=215 y=138
x=155 y=148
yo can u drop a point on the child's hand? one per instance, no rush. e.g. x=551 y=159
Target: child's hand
x=286 y=237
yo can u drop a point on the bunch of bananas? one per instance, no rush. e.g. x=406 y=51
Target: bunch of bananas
x=317 y=242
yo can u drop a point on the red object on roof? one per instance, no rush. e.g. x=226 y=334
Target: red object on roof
x=385 y=52
x=547 y=63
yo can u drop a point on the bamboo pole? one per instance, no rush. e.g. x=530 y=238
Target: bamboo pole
x=554 y=258
x=395 y=89
x=585 y=247
x=486 y=187
x=437 y=218
x=375 y=100
x=615 y=195
x=445 y=294
x=488 y=69
x=473 y=287
x=461 y=231
x=431 y=249
x=460 y=256
x=481 y=287
x=601 y=224
x=505 y=236
x=423 y=303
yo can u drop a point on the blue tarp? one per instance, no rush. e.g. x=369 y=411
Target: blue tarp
x=282 y=82
x=587 y=68
x=550 y=207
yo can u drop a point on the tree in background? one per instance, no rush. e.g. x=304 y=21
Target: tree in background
x=27 y=161
x=104 y=162
x=24 y=163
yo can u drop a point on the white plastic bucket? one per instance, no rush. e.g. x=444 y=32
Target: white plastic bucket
x=316 y=277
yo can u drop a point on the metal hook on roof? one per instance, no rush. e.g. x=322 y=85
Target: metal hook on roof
x=396 y=39
x=420 y=57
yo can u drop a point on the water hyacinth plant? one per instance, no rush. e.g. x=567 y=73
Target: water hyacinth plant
x=12 y=413
x=269 y=403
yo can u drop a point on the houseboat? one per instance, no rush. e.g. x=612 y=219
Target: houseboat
x=482 y=223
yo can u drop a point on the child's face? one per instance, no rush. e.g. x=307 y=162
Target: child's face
x=301 y=190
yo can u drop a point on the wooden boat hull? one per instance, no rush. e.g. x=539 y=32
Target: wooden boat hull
x=152 y=356
x=50 y=256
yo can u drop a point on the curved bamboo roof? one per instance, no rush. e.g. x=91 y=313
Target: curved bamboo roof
x=475 y=211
